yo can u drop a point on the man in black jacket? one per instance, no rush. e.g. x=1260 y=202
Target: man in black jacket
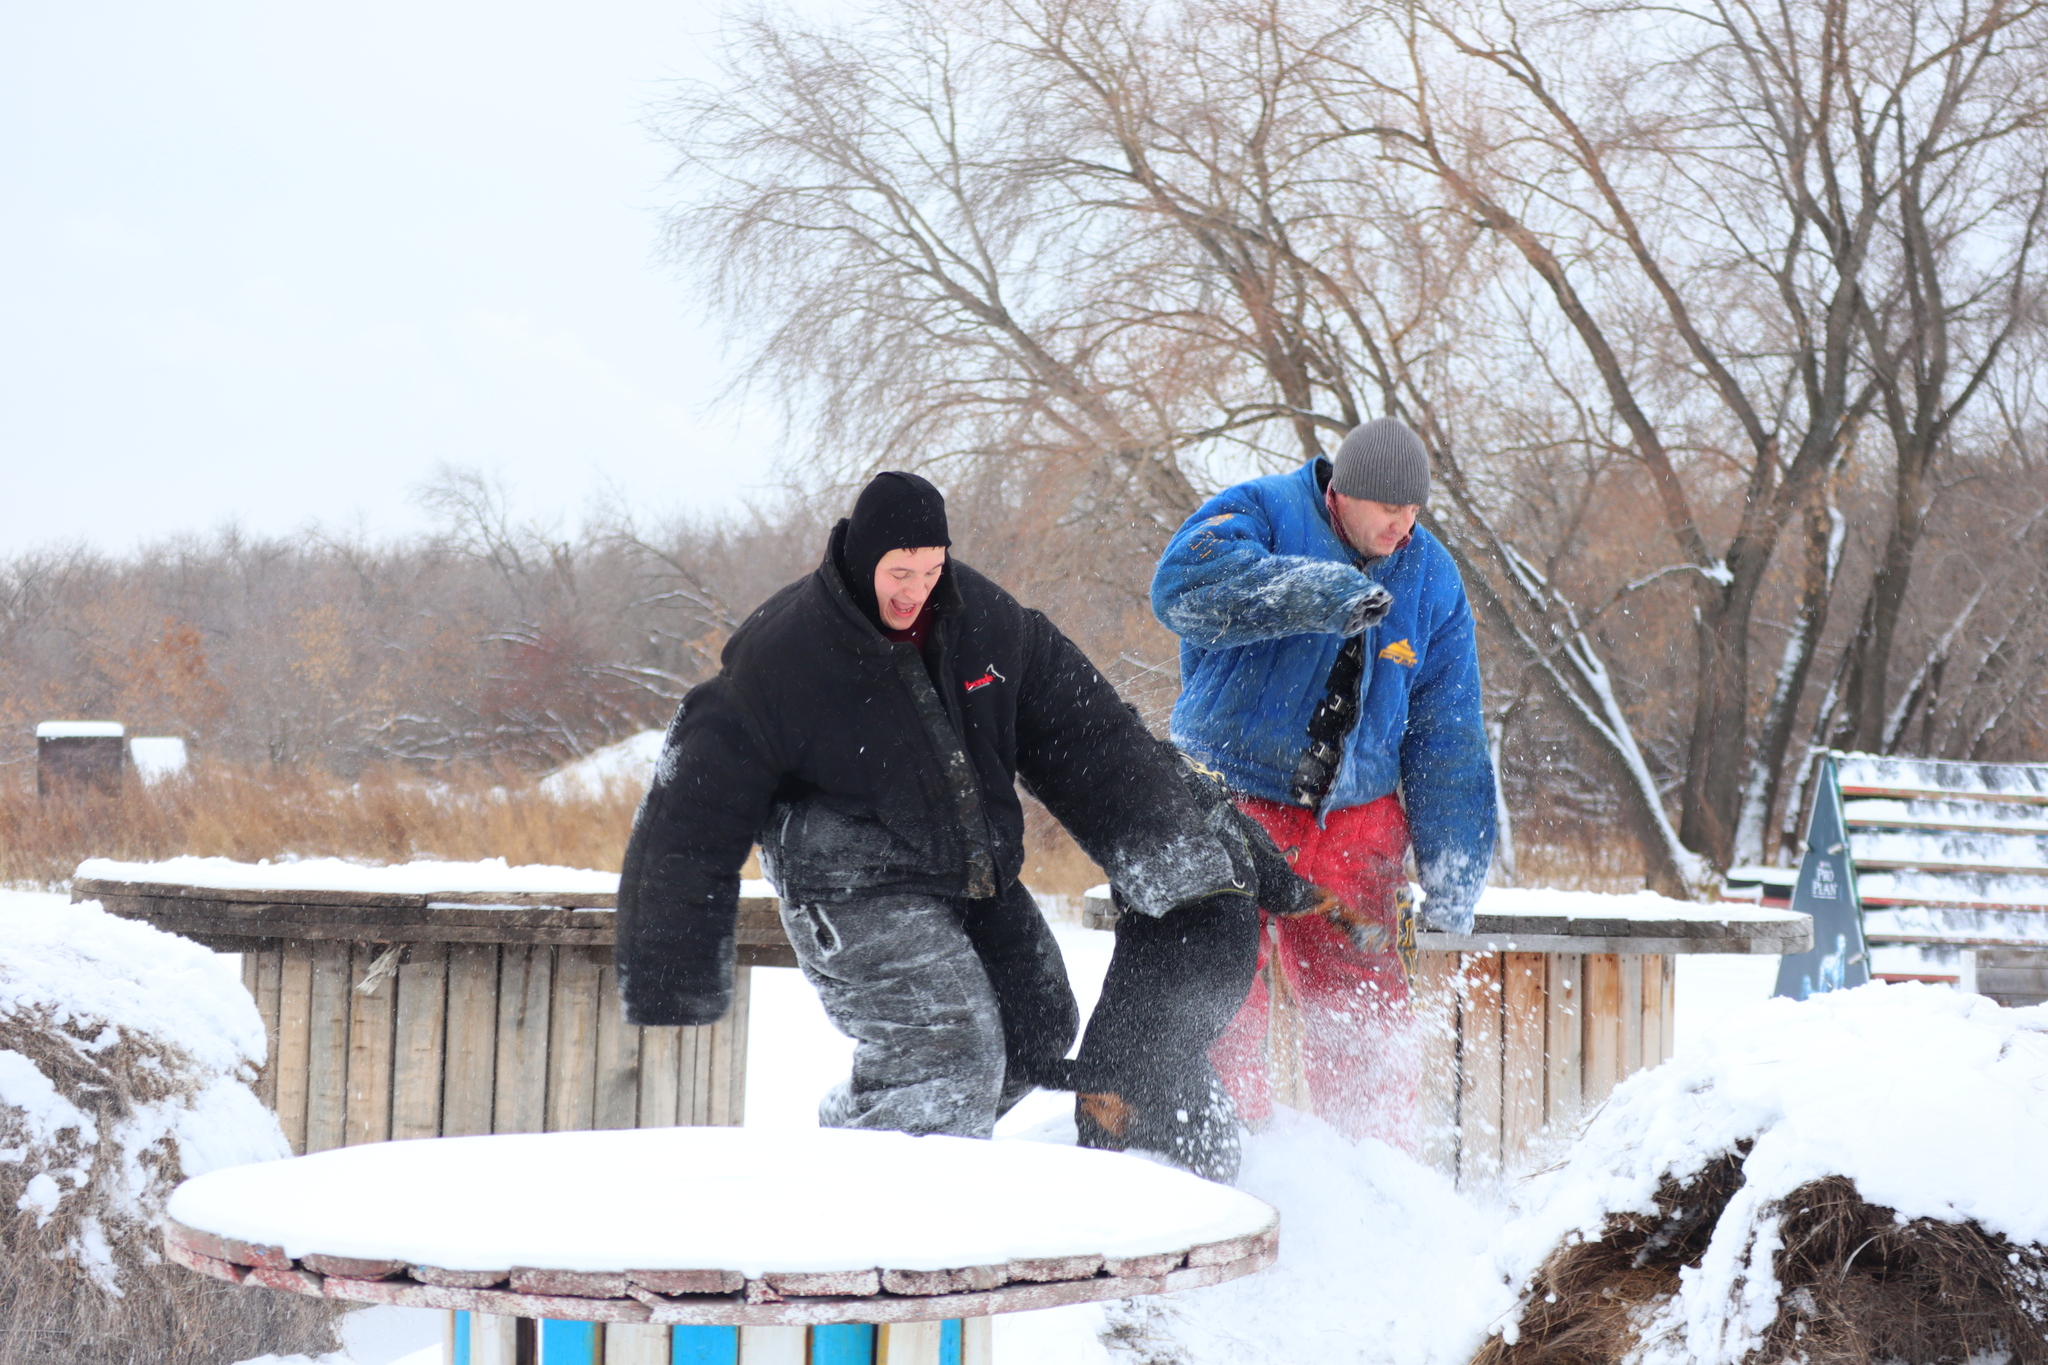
x=868 y=728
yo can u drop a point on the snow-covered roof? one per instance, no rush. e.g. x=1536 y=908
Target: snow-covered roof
x=739 y=1199
x=80 y=729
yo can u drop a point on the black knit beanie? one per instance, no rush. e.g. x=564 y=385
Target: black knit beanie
x=1382 y=461
x=895 y=511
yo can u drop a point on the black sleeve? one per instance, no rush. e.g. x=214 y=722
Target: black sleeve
x=1117 y=789
x=680 y=883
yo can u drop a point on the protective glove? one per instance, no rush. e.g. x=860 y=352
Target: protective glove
x=1368 y=611
x=1366 y=932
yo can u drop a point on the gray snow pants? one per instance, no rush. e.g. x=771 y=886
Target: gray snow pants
x=952 y=1004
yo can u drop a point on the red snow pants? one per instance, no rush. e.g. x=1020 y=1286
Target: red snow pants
x=1325 y=1028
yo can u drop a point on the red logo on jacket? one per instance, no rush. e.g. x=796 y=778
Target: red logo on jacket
x=976 y=684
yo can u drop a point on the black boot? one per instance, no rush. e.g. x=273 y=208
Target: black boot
x=1192 y=1124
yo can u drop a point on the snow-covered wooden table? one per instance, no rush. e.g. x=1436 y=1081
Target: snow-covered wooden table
x=772 y=1233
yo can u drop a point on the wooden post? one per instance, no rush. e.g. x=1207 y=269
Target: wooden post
x=1436 y=1021
x=294 y=1038
x=370 y=1023
x=1522 y=1062
x=421 y=1042
x=977 y=1341
x=525 y=990
x=617 y=1085
x=1602 y=1025
x=1667 y=1042
x=661 y=1064
x=902 y=1343
x=779 y=1346
x=843 y=1343
x=572 y=1042
x=469 y=1074
x=1564 y=1036
x=1479 y=1069
x=1631 y=1013
x=263 y=974
x=635 y=1343
x=327 y=1052
x=1652 y=1026
x=494 y=1339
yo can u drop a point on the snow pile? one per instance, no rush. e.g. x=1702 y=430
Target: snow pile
x=125 y=1060
x=629 y=764
x=1853 y=1176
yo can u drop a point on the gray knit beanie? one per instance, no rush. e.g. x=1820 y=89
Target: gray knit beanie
x=1382 y=461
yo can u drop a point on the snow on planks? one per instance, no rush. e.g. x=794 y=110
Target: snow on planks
x=1952 y=870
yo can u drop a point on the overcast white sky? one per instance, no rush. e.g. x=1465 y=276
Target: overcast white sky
x=275 y=262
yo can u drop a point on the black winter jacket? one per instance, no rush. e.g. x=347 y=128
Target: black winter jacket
x=831 y=745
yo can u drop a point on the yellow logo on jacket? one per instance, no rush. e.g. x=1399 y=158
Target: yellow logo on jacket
x=1400 y=653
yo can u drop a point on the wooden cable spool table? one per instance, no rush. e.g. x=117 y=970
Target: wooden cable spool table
x=748 y=1240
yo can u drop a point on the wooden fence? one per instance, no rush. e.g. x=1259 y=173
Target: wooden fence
x=456 y=1013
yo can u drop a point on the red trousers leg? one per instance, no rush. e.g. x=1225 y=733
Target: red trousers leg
x=1326 y=1027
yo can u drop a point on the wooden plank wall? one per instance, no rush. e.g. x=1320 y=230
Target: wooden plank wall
x=1515 y=1044
x=369 y=1043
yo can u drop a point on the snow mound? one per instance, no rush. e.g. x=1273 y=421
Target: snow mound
x=125 y=1060
x=716 y=1198
x=126 y=1056
x=1714 y=1209
x=628 y=764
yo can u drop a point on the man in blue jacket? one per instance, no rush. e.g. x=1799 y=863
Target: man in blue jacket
x=1329 y=674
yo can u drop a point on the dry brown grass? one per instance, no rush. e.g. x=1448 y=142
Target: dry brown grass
x=1857 y=1286
x=387 y=814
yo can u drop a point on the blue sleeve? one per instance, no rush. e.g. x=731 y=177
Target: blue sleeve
x=1447 y=774
x=1220 y=585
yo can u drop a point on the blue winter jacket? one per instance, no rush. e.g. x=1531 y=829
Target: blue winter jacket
x=1257 y=585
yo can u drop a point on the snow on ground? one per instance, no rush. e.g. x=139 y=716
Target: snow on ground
x=379 y=1336
x=627 y=764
